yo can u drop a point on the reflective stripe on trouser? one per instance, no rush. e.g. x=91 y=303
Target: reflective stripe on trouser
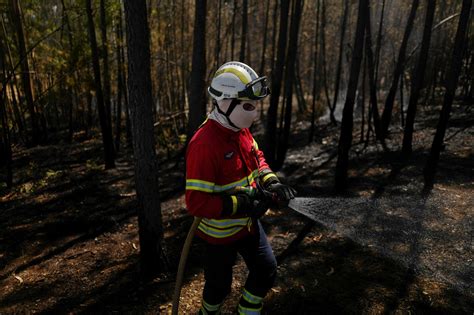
x=208 y=309
x=250 y=303
x=258 y=256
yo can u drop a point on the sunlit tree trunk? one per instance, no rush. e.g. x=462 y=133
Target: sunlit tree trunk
x=345 y=139
x=418 y=77
x=105 y=127
x=152 y=259
x=450 y=84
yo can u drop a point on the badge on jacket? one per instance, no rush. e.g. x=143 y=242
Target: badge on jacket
x=229 y=155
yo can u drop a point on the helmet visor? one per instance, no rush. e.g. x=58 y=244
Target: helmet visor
x=256 y=89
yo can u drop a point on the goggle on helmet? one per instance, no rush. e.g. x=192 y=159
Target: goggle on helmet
x=236 y=80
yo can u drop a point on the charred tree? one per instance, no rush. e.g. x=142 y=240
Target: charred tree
x=277 y=77
x=5 y=141
x=197 y=83
x=152 y=259
x=418 y=77
x=105 y=62
x=17 y=18
x=345 y=139
x=243 y=35
x=345 y=4
x=282 y=144
x=398 y=72
x=104 y=126
x=450 y=85
x=316 y=66
x=372 y=83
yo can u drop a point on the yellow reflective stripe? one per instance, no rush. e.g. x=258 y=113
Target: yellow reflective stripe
x=210 y=307
x=219 y=233
x=225 y=223
x=268 y=176
x=249 y=297
x=234 y=204
x=255 y=144
x=241 y=182
x=234 y=71
x=201 y=185
x=248 y=311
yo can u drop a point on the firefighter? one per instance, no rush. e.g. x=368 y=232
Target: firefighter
x=221 y=156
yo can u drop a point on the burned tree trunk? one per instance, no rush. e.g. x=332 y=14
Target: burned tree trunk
x=243 y=35
x=418 y=77
x=345 y=139
x=451 y=83
x=387 y=112
x=197 y=94
x=277 y=76
x=105 y=127
x=150 y=224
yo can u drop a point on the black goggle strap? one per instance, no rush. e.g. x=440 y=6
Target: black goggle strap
x=232 y=106
x=249 y=92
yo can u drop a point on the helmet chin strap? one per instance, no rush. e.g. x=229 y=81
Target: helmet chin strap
x=232 y=106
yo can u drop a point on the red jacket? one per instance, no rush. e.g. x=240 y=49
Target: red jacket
x=218 y=159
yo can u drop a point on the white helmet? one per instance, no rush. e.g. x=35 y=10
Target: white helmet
x=236 y=80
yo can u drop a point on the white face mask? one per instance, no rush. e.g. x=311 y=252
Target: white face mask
x=244 y=114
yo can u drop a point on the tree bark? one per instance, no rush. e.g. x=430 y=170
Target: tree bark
x=277 y=76
x=105 y=61
x=339 y=59
x=197 y=94
x=345 y=139
x=17 y=18
x=120 y=81
x=243 y=35
x=282 y=145
x=418 y=77
x=316 y=66
x=450 y=85
x=387 y=112
x=372 y=83
x=105 y=127
x=5 y=141
x=150 y=225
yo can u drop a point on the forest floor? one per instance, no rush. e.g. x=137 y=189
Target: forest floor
x=69 y=241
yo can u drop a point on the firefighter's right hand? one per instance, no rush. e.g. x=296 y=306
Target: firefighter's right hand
x=240 y=205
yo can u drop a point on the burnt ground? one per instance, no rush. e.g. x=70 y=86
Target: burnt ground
x=69 y=241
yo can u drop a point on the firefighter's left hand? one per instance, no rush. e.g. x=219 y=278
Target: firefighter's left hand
x=284 y=192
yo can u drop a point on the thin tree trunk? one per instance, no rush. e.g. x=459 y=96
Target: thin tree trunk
x=362 y=124
x=418 y=78
x=402 y=102
x=243 y=35
x=387 y=112
x=277 y=76
x=152 y=259
x=5 y=141
x=372 y=83
x=218 y=36
x=274 y=32
x=105 y=127
x=17 y=18
x=120 y=82
x=378 y=44
x=105 y=56
x=325 y=74
x=282 y=145
x=197 y=94
x=264 y=42
x=232 y=41
x=451 y=82
x=345 y=5
x=316 y=65
x=345 y=139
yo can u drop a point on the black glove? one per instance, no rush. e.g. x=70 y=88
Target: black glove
x=243 y=205
x=284 y=193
